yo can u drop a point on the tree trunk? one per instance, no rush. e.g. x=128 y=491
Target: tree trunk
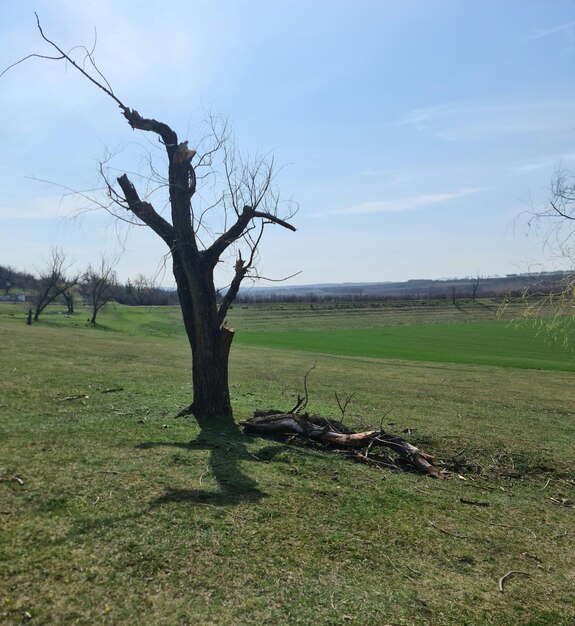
x=210 y=342
x=69 y=298
x=210 y=375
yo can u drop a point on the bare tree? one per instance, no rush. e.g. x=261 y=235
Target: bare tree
x=99 y=285
x=7 y=278
x=68 y=296
x=475 y=287
x=248 y=203
x=53 y=282
x=554 y=304
x=554 y=222
x=144 y=291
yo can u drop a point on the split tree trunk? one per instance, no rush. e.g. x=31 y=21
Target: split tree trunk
x=209 y=340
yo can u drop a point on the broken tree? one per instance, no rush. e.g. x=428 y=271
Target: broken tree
x=249 y=202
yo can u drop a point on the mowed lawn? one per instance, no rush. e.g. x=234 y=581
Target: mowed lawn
x=112 y=511
x=501 y=343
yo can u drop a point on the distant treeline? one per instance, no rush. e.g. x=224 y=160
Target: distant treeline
x=141 y=291
x=511 y=285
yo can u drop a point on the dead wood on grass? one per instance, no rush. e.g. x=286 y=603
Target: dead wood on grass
x=362 y=446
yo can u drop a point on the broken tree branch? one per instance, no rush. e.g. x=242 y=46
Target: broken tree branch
x=325 y=431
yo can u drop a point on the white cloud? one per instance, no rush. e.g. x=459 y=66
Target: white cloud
x=41 y=208
x=480 y=120
x=402 y=204
x=547 y=32
x=550 y=161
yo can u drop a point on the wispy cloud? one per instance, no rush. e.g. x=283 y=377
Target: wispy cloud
x=401 y=204
x=41 y=208
x=547 y=32
x=387 y=176
x=481 y=120
x=553 y=160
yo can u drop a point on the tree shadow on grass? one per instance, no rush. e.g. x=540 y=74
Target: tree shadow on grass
x=226 y=444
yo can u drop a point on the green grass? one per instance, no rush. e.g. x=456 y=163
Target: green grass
x=484 y=343
x=126 y=515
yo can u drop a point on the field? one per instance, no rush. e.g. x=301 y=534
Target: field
x=114 y=512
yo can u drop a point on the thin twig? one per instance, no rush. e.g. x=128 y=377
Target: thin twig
x=484 y=487
x=80 y=69
x=413 y=570
x=505 y=525
x=203 y=474
x=447 y=532
x=301 y=404
x=397 y=568
x=474 y=502
x=384 y=416
x=343 y=405
x=511 y=573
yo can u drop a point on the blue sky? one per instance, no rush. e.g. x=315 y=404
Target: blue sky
x=413 y=133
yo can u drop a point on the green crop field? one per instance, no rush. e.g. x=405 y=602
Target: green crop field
x=500 y=343
x=114 y=512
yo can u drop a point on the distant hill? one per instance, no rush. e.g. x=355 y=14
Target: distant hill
x=488 y=286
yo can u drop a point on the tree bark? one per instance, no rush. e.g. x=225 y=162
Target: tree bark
x=210 y=376
x=209 y=339
x=326 y=431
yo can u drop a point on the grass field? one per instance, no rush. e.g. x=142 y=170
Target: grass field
x=483 y=343
x=114 y=512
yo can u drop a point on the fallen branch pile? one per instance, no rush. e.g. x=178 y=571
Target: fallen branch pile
x=363 y=446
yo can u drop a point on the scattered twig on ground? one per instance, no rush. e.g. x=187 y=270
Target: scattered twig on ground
x=202 y=475
x=78 y=397
x=474 y=502
x=569 y=504
x=504 y=525
x=484 y=487
x=397 y=568
x=447 y=532
x=112 y=389
x=506 y=576
x=17 y=479
x=546 y=484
